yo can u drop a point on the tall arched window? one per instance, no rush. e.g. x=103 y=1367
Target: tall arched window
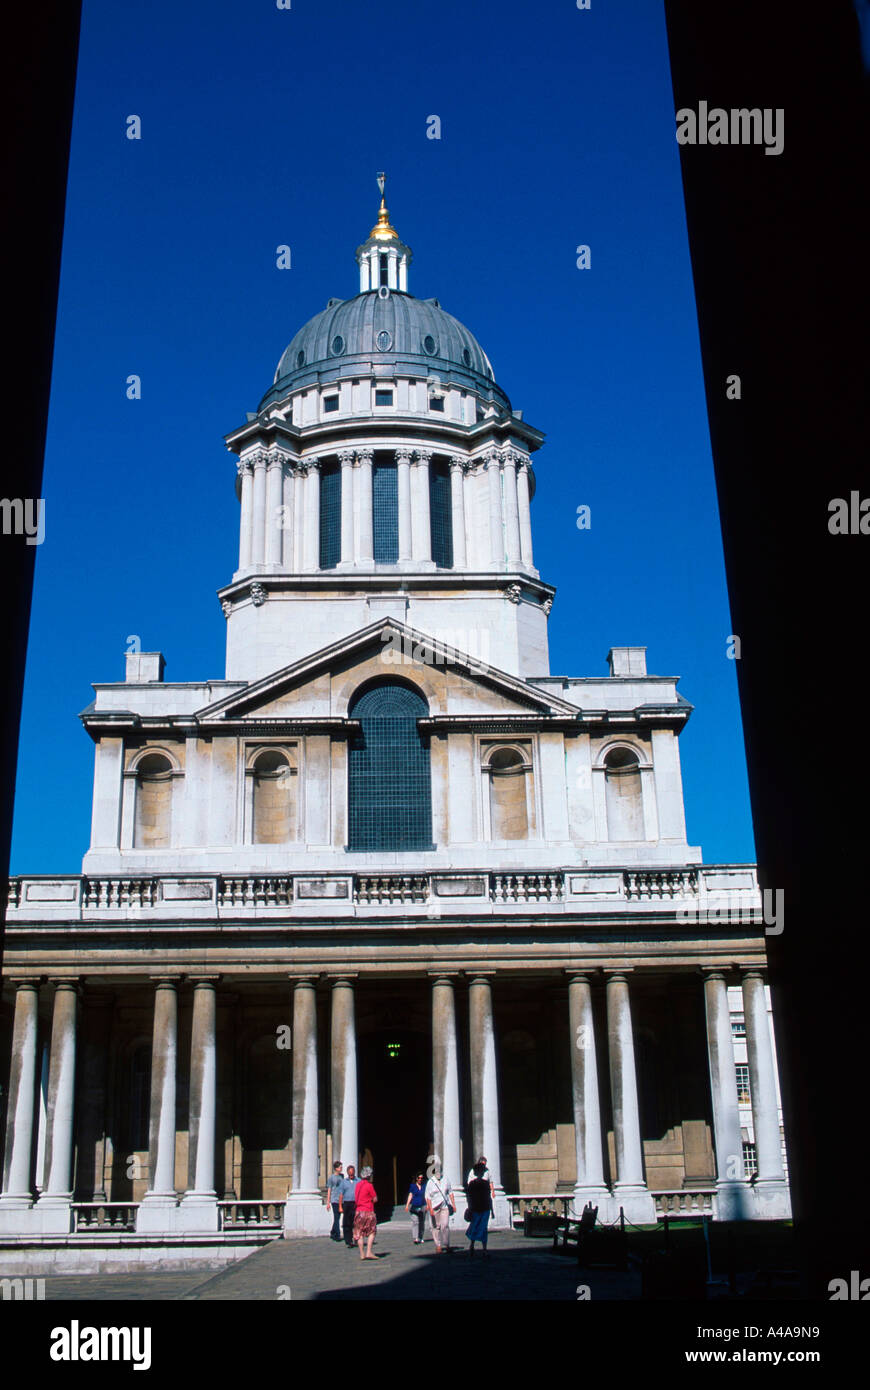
x=153 y=824
x=389 y=794
x=274 y=799
x=509 y=789
x=623 y=796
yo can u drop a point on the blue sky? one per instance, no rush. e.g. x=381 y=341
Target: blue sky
x=262 y=127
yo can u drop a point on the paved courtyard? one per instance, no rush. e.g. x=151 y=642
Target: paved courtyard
x=516 y=1268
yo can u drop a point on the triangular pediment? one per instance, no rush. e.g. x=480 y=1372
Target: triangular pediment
x=320 y=685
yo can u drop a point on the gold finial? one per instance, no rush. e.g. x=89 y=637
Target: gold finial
x=382 y=229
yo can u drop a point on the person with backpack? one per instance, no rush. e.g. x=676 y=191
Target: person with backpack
x=479 y=1197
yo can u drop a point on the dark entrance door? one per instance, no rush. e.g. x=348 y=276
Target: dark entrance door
x=395 y=1092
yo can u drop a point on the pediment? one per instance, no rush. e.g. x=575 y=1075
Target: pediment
x=321 y=687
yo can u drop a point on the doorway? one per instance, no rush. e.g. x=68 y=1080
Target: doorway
x=395 y=1111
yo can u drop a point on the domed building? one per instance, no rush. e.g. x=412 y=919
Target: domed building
x=388 y=887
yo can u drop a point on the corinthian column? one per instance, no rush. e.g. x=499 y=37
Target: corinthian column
x=511 y=509
x=403 y=478
x=630 y=1190
x=770 y=1189
x=457 y=511
x=525 y=516
x=17 y=1155
x=445 y=1085
x=345 y=1135
x=274 y=479
x=157 y=1208
x=365 y=506
x=199 y=1204
x=246 y=522
x=589 y=1186
x=421 y=530
x=733 y=1195
x=345 y=458
x=258 y=547
x=312 y=514
x=61 y=1098
x=304 y=1212
x=496 y=539
x=288 y=515
x=486 y=1131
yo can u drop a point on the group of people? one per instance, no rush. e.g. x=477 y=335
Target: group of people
x=353 y=1201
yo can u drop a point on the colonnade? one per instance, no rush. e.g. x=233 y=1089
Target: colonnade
x=280 y=509
x=196 y=1209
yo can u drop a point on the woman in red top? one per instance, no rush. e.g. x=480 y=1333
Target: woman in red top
x=364 y=1221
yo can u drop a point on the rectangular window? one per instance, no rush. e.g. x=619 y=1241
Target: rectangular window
x=330 y=516
x=436 y=403
x=385 y=513
x=743 y=1095
x=440 y=515
x=330 y=403
x=750 y=1162
x=383 y=398
x=383 y=266
x=738 y=1026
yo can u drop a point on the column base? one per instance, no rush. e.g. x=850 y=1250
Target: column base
x=772 y=1200
x=52 y=1215
x=198 y=1211
x=734 y=1201
x=157 y=1213
x=501 y=1212
x=599 y=1196
x=637 y=1203
x=306 y=1215
x=16 y=1201
x=17 y=1214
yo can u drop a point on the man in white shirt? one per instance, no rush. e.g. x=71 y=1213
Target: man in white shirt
x=440 y=1204
x=486 y=1175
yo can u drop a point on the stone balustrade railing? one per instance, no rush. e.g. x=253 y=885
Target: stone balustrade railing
x=692 y=893
x=104 y=1216
x=248 y=1216
x=686 y=1201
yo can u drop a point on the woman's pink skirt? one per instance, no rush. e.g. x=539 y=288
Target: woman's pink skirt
x=364 y=1224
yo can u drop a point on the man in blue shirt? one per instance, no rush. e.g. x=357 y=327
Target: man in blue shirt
x=333 y=1199
x=348 y=1204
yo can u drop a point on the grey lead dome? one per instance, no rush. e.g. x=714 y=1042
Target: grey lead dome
x=415 y=336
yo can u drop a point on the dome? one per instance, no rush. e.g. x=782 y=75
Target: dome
x=387 y=328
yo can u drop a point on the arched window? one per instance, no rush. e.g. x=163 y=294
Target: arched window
x=508 y=794
x=623 y=795
x=389 y=794
x=274 y=799
x=330 y=516
x=153 y=823
x=440 y=514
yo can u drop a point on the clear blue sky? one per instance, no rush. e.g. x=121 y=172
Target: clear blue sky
x=263 y=126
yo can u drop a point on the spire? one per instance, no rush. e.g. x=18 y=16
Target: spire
x=383 y=259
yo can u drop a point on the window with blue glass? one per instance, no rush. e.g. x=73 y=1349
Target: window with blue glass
x=389 y=793
x=330 y=516
x=440 y=515
x=385 y=512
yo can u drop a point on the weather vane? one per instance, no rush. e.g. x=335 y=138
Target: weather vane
x=382 y=178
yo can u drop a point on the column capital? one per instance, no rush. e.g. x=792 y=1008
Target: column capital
x=364 y=455
x=73 y=982
x=345 y=458
x=27 y=981
x=492 y=459
x=621 y=972
x=750 y=972
x=458 y=464
x=403 y=454
x=346 y=977
x=311 y=463
x=198 y=980
x=258 y=460
x=244 y=467
x=446 y=977
x=422 y=457
x=166 y=981
x=718 y=972
x=585 y=973
x=304 y=981
x=480 y=977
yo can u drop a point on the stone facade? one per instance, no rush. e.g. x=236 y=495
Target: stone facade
x=314 y=925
